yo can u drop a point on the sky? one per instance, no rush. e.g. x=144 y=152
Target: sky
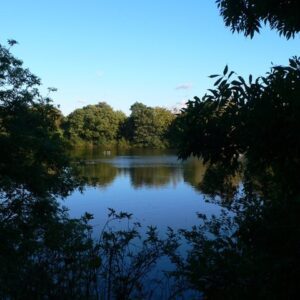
x=158 y=52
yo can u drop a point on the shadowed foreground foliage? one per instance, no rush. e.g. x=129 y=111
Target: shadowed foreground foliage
x=247 y=16
x=248 y=127
x=252 y=124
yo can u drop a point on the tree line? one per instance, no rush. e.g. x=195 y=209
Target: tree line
x=100 y=124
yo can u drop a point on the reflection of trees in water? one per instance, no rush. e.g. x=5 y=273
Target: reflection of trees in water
x=156 y=176
x=145 y=167
x=103 y=174
x=93 y=152
x=193 y=172
x=210 y=181
x=98 y=174
x=97 y=152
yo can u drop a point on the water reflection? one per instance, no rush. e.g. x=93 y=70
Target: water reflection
x=98 y=174
x=193 y=172
x=156 y=176
x=150 y=169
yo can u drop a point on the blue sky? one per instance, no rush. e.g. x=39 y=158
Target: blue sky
x=159 y=52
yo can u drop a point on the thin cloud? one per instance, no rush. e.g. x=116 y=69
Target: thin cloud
x=184 y=86
x=179 y=105
x=99 y=73
x=82 y=101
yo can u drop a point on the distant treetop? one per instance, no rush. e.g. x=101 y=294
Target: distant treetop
x=247 y=16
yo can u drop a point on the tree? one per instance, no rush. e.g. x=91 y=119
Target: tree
x=98 y=124
x=247 y=16
x=258 y=120
x=31 y=141
x=37 y=237
x=250 y=126
x=148 y=127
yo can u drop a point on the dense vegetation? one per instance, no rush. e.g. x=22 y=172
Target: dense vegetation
x=250 y=126
x=31 y=142
x=146 y=127
x=95 y=124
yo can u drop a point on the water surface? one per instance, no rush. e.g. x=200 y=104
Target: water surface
x=156 y=187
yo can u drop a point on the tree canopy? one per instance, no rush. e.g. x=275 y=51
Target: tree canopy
x=149 y=126
x=94 y=123
x=247 y=16
x=146 y=127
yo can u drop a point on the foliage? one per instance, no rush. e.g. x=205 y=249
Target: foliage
x=31 y=141
x=148 y=127
x=44 y=253
x=247 y=15
x=257 y=120
x=97 y=124
x=249 y=251
x=250 y=126
x=252 y=249
x=128 y=259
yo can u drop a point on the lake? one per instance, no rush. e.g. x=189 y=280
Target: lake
x=153 y=185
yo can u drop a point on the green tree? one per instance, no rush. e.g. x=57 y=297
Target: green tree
x=98 y=124
x=148 y=127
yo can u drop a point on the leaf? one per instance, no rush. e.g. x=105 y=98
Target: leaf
x=213 y=76
x=293 y=63
x=250 y=78
x=235 y=82
x=52 y=89
x=218 y=81
x=225 y=70
x=214 y=92
x=230 y=74
x=265 y=80
x=241 y=79
x=12 y=42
